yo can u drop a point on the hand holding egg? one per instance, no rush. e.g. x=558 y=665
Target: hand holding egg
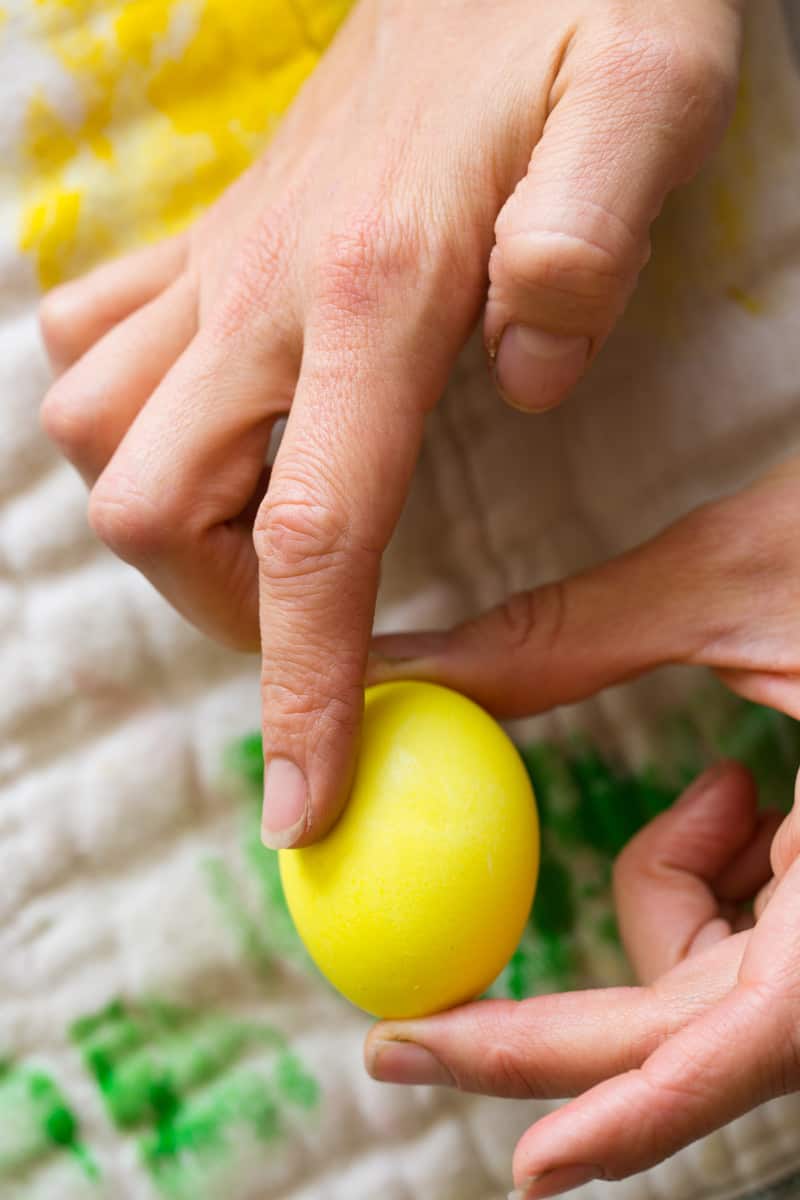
x=418 y=897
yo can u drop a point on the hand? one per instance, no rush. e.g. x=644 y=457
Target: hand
x=720 y=588
x=711 y=1033
x=436 y=144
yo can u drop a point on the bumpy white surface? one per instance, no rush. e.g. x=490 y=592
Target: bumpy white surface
x=114 y=714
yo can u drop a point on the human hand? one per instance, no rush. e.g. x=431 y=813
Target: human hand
x=435 y=145
x=711 y=1033
x=719 y=588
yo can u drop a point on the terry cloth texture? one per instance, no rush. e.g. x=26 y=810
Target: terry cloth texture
x=161 y=1034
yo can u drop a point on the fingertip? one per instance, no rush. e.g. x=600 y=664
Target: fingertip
x=406 y=1062
x=535 y=369
x=713 y=780
x=286 y=811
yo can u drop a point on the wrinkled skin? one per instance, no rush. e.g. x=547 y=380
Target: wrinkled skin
x=438 y=149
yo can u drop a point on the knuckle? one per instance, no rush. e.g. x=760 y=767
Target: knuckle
x=63 y=416
x=333 y=715
x=127 y=521
x=361 y=260
x=260 y=265
x=532 y=617
x=681 y=78
x=694 y=73
x=297 y=533
x=510 y=1074
x=573 y=281
x=659 y=56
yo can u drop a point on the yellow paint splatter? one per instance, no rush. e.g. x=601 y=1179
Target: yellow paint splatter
x=173 y=98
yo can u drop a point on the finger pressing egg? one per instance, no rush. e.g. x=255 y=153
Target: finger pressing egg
x=417 y=898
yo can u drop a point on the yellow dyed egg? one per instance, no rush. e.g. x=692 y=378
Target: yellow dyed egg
x=418 y=897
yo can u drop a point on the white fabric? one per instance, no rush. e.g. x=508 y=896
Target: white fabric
x=114 y=714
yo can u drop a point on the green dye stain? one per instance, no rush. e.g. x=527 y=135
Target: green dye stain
x=261 y=925
x=245 y=758
x=610 y=810
x=608 y=930
x=247 y=930
x=589 y=808
x=174 y=1072
x=60 y=1126
x=554 y=910
x=202 y=1126
x=294 y=1082
x=517 y=975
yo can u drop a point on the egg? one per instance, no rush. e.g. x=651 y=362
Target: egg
x=417 y=898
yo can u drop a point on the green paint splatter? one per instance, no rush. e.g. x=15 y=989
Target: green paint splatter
x=37 y=1122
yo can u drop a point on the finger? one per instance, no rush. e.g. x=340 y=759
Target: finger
x=786 y=844
x=763 y=898
x=338 y=485
x=564 y=641
x=740 y=1052
x=631 y=117
x=664 y=890
x=171 y=500
x=781 y=692
x=74 y=315
x=549 y=1046
x=88 y=410
x=748 y=873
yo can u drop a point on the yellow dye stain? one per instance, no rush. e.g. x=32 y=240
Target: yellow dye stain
x=172 y=100
x=751 y=304
x=51 y=230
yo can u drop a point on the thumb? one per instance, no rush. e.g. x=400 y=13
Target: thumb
x=633 y=113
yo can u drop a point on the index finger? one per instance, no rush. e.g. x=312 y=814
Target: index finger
x=338 y=484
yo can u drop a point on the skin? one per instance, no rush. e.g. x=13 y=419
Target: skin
x=712 y=1031
x=336 y=281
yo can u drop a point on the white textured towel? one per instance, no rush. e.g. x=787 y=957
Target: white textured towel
x=158 y=1036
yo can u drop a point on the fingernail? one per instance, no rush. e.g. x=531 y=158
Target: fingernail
x=285 y=814
x=534 y=369
x=396 y=648
x=406 y=1062
x=554 y=1183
